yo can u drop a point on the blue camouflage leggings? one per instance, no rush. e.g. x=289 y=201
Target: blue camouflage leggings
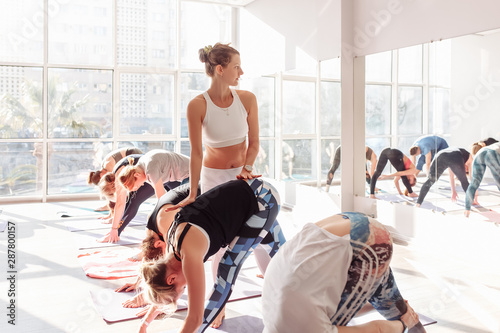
x=255 y=229
x=370 y=278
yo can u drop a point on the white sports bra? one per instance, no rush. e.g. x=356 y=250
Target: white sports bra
x=223 y=127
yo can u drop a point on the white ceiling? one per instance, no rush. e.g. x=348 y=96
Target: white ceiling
x=314 y=25
x=311 y=25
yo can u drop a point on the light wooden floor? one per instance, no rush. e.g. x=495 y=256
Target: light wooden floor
x=454 y=278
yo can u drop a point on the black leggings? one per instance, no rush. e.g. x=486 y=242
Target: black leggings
x=441 y=162
x=136 y=198
x=395 y=156
x=335 y=166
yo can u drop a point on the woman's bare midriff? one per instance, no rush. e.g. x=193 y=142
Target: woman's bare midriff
x=225 y=157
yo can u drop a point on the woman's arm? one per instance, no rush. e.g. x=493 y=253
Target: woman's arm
x=454 y=195
x=250 y=102
x=159 y=189
x=408 y=172
x=192 y=252
x=195 y=115
x=396 y=183
x=121 y=197
x=148 y=318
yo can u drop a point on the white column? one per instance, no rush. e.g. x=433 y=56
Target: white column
x=352 y=113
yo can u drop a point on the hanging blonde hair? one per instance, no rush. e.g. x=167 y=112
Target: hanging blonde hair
x=107 y=186
x=156 y=289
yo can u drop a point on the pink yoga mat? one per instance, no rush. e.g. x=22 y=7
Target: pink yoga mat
x=107 y=264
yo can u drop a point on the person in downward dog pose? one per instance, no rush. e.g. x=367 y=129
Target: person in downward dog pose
x=237 y=214
x=107 y=165
x=405 y=171
x=128 y=201
x=488 y=156
x=458 y=160
x=370 y=157
x=158 y=168
x=327 y=272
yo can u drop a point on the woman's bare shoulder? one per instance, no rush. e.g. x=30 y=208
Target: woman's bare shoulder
x=197 y=104
x=247 y=98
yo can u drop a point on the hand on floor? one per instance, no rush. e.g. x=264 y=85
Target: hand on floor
x=135 y=302
x=111 y=237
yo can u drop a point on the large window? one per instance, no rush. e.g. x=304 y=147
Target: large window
x=407 y=95
x=81 y=78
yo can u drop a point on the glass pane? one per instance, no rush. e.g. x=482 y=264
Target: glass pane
x=410 y=64
x=263 y=88
x=378 y=144
x=80 y=32
x=20 y=169
x=80 y=103
x=404 y=143
x=301 y=62
x=328 y=148
x=192 y=85
x=68 y=167
x=298 y=107
x=378 y=109
x=101 y=149
x=146 y=103
x=146 y=146
x=298 y=158
x=186 y=148
x=379 y=67
x=20 y=102
x=409 y=110
x=264 y=164
x=254 y=61
x=330 y=108
x=22 y=24
x=440 y=63
x=146 y=33
x=202 y=25
x=439 y=110
x=330 y=69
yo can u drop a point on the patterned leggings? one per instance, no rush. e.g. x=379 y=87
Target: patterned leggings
x=370 y=278
x=259 y=225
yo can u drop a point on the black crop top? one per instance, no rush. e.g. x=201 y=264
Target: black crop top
x=172 y=197
x=221 y=212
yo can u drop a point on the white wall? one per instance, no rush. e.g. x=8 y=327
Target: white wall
x=382 y=25
x=475 y=89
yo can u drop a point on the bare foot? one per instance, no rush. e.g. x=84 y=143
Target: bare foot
x=260 y=276
x=218 y=321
